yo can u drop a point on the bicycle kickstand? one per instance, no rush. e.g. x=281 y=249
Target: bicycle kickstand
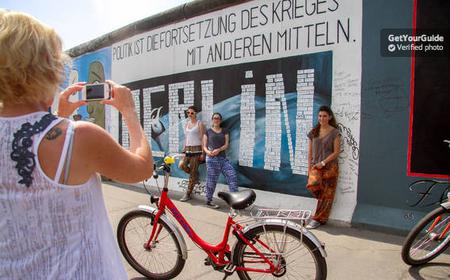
x=228 y=270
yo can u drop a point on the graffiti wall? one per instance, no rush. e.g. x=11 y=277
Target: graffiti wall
x=93 y=67
x=266 y=67
x=266 y=105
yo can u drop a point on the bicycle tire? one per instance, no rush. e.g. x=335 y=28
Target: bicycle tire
x=306 y=246
x=131 y=243
x=427 y=240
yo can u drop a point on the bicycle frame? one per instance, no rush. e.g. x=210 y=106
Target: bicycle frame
x=215 y=252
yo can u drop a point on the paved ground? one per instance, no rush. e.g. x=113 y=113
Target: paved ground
x=352 y=253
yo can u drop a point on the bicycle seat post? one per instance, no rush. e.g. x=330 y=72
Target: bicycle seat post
x=233 y=213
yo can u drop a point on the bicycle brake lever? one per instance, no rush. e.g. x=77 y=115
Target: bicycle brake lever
x=155 y=173
x=154 y=199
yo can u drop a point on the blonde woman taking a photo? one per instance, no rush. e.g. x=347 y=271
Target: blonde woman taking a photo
x=54 y=223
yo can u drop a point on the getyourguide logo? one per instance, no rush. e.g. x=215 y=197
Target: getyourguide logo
x=415 y=38
x=420 y=42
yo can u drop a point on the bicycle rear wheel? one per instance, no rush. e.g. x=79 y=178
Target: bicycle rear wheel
x=424 y=242
x=163 y=260
x=297 y=256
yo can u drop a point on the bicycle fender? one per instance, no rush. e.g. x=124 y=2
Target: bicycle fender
x=173 y=227
x=446 y=205
x=293 y=226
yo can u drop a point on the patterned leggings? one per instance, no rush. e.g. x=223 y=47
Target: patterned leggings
x=215 y=166
x=189 y=164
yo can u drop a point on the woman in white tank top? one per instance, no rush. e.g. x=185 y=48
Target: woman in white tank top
x=193 y=132
x=53 y=222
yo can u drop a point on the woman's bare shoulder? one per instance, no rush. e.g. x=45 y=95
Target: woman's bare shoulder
x=91 y=136
x=87 y=130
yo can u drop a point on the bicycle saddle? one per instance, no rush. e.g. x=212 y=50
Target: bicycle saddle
x=238 y=200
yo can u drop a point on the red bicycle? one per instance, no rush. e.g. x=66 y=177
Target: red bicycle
x=269 y=244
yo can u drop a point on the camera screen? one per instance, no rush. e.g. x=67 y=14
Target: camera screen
x=95 y=91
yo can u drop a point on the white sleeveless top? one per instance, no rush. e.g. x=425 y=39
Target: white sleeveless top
x=49 y=230
x=193 y=137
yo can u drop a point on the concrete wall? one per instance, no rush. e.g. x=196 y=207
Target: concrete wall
x=384 y=197
x=332 y=57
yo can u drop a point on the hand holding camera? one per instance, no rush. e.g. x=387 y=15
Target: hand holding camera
x=65 y=107
x=107 y=93
x=121 y=98
x=96 y=92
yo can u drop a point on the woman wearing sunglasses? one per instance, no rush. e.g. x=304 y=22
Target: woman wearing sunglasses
x=215 y=143
x=193 y=132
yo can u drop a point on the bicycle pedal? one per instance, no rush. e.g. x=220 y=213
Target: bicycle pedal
x=207 y=261
x=229 y=269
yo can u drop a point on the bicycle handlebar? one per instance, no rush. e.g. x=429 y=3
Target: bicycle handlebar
x=166 y=164
x=171 y=158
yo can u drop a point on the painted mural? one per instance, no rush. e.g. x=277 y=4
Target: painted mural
x=266 y=66
x=268 y=106
x=93 y=67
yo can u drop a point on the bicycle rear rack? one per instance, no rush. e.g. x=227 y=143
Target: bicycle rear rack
x=285 y=214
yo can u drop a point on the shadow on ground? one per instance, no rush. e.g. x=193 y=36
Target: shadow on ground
x=430 y=271
x=199 y=200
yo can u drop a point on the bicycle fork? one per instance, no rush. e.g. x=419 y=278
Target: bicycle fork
x=156 y=229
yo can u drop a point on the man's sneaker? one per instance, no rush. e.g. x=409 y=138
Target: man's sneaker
x=313 y=224
x=212 y=205
x=186 y=197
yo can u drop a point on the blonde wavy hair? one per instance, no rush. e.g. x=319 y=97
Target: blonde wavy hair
x=31 y=59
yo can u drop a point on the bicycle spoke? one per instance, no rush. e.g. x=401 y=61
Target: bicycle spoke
x=289 y=254
x=162 y=256
x=276 y=243
x=428 y=241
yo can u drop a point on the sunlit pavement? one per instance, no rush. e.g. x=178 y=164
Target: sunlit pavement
x=352 y=253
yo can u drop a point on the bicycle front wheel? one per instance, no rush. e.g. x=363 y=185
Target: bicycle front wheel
x=163 y=260
x=295 y=255
x=428 y=238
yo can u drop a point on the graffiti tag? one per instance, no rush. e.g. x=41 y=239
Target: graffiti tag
x=425 y=190
x=347 y=135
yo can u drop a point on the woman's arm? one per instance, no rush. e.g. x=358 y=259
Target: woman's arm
x=201 y=129
x=336 y=150
x=332 y=156
x=104 y=155
x=309 y=154
x=205 y=145
x=202 y=133
x=65 y=107
x=185 y=137
x=224 y=147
